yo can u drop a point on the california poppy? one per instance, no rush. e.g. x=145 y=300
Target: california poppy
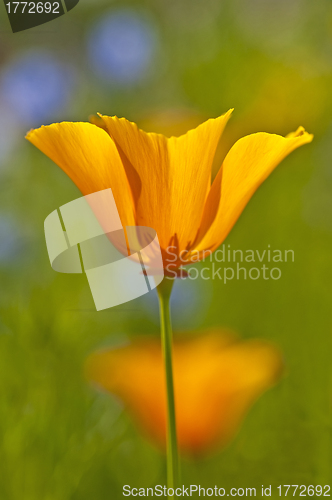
x=165 y=183
x=216 y=380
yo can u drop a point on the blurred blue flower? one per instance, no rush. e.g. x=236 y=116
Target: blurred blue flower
x=11 y=244
x=9 y=134
x=122 y=46
x=35 y=86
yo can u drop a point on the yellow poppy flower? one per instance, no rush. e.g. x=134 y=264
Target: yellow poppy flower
x=165 y=183
x=216 y=380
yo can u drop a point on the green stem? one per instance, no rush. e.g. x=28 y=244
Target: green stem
x=164 y=293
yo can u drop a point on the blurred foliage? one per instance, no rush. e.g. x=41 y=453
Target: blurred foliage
x=272 y=61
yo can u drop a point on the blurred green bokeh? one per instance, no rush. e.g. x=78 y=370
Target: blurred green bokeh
x=272 y=62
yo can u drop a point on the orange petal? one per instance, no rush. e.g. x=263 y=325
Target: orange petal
x=89 y=157
x=99 y=122
x=216 y=379
x=249 y=162
x=170 y=178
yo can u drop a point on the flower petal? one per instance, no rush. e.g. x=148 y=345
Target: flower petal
x=174 y=175
x=216 y=380
x=249 y=162
x=90 y=158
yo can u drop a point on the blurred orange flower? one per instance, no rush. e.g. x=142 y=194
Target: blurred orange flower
x=216 y=379
x=165 y=183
